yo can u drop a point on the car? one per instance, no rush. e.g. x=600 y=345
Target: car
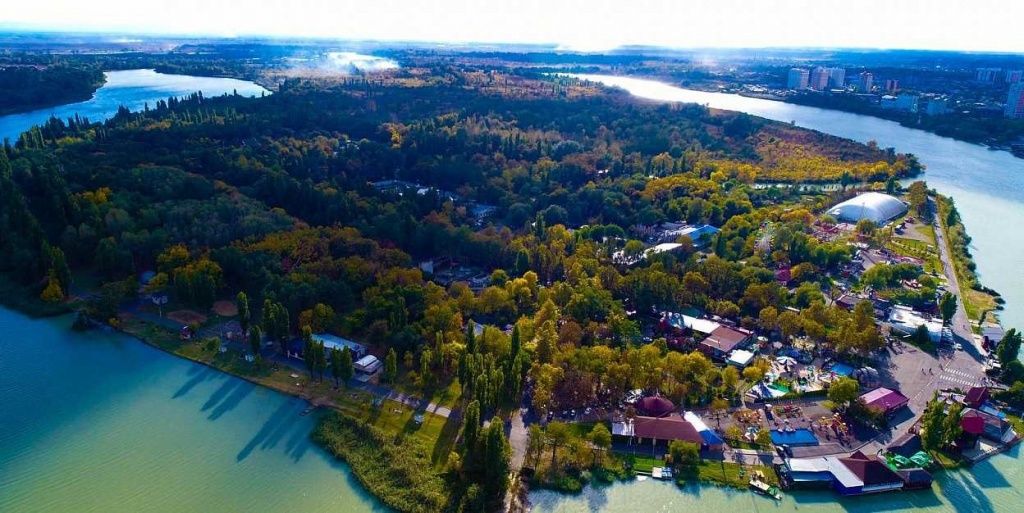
x=958 y=347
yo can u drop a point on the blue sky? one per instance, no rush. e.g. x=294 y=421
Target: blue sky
x=587 y=25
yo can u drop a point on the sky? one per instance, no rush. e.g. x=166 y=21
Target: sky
x=589 y=25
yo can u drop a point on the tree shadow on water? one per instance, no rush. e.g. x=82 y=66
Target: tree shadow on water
x=230 y=402
x=964 y=494
x=272 y=430
x=222 y=391
x=199 y=374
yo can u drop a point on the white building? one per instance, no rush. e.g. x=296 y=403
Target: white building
x=987 y=75
x=797 y=79
x=873 y=206
x=837 y=77
x=1015 y=101
x=905 y=320
x=819 y=78
x=368 y=364
x=865 y=81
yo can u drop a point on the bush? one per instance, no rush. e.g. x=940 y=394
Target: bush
x=398 y=472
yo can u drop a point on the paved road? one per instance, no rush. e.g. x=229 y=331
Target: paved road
x=960 y=323
x=518 y=438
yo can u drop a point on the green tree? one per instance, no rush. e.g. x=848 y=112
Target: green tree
x=255 y=341
x=684 y=453
x=947 y=306
x=951 y=428
x=242 y=300
x=341 y=365
x=1008 y=348
x=763 y=438
x=843 y=391
x=601 y=439
x=470 y=338
x=308 y=350
x=932 y=433
x=470 y=428
x=496 y=461
x=321 y=358
x=557 y=435
x=390 y=367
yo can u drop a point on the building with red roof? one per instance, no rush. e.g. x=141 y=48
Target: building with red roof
x=655 y=406
x=885 y=399
x=723 y=340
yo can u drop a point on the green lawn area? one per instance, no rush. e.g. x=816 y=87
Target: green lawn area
x=641 y=464
x=726 y=473
x=917 y=249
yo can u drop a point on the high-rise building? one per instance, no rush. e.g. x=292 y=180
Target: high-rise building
x=1014 y=76
x=987 y=75
x=865 y=80
x=797 y=79
x=819 y=79
x=837 y=77
x=1015 y=101
x=892 y=85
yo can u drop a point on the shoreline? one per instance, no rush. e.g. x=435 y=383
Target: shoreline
x=34 y=309
x=669 y=80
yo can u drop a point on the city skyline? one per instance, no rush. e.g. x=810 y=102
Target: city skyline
x=989 y=25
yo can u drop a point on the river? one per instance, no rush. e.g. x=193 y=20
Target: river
x=132 y=89
x=988 y=186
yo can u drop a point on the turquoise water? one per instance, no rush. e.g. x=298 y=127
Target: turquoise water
x=100 y=422
x=133 y=89
x=991 y=487
x=988 y=186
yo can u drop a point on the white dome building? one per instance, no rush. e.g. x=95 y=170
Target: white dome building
x=875 y=206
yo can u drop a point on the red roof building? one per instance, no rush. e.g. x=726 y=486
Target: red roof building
x=976 y=396
x=885 y=399
x=723 y=340
x=655 y=406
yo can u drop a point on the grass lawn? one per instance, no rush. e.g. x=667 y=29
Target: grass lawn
x=726 y=473
x=642 y=464
x=928 y=253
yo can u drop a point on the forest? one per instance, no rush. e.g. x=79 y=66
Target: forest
x=33 y=85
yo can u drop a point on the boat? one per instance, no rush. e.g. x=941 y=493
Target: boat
x=758 y=485
x=661 y=473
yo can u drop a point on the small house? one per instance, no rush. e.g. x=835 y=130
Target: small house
x=886 y=400
x=906 y=445
x=660 y=431
x=987 y=425
x=368 y=365
x=859 y=474
x=976 y=397
x=723 y=340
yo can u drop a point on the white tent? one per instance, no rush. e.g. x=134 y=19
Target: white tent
x=873 y=206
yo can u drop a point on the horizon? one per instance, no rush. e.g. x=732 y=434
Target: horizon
x=987 y=26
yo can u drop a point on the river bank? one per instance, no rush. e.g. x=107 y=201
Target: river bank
x=1014 y=145
x=393 y=424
